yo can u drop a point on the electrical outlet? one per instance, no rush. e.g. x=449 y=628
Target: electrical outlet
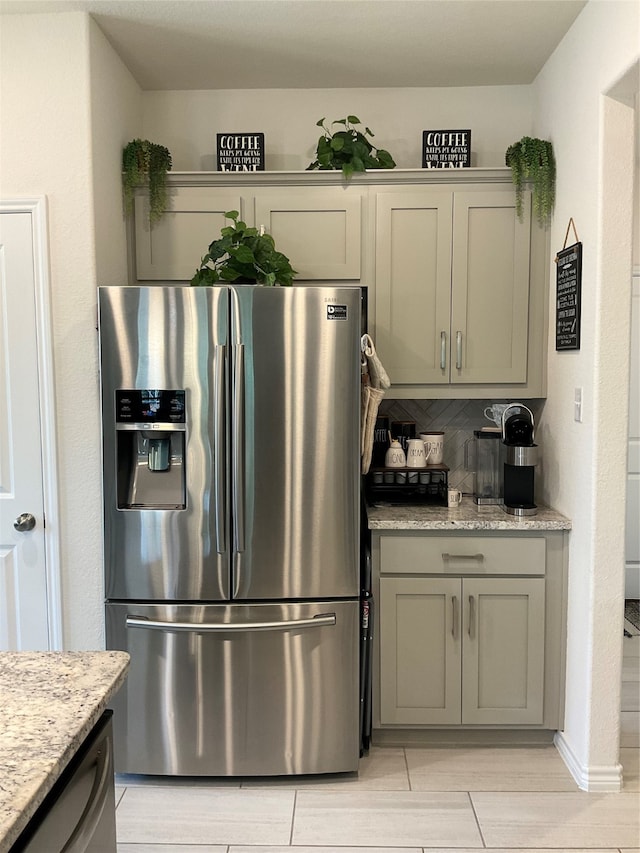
x=577 y=405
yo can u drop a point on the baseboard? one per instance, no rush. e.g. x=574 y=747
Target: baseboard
x=461 y=737
x=592 y=779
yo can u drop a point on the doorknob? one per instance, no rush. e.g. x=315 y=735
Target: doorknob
x=25 y=521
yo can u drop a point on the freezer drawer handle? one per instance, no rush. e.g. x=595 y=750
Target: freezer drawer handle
x=320 y=620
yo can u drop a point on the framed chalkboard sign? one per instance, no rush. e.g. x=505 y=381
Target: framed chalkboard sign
x=240 y=152
x=446 y=149
x=568 y=297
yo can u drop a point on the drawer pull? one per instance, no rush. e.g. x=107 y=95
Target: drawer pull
x=478 y=557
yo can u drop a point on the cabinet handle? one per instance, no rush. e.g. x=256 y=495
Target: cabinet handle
x=472 y=613
x=454 y=616
x=459 y=350
x=443 y=350
x=479 y=557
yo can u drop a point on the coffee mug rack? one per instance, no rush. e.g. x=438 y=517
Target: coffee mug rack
x=417 y=485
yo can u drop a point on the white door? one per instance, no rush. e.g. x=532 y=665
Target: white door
x=23 y=578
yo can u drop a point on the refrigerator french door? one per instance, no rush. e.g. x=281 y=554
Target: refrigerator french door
x=231 y=526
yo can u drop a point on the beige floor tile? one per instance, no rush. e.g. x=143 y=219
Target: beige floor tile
x=631 y=668
x=631 y=695
x=182 y=815
x=383 y=769
x=475 y=768
x=391 y=819
x=630 y=728
x=630 y=760
x=558 y=819
x=314 y=849
x=519 y=850
x=174 y=848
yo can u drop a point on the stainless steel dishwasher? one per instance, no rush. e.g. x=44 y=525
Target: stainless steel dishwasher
x=78 y=814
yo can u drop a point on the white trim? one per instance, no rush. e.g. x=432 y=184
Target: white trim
x=593 y=779
x=37 y=208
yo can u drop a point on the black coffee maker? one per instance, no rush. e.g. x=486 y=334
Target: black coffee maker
x=521 y=459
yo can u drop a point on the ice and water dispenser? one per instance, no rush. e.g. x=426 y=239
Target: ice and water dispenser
x=150 y=447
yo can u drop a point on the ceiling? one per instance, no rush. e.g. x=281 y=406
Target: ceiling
x=266 y=44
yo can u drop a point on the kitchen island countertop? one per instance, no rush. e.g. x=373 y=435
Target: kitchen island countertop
x=468 y=516
x=49 y=703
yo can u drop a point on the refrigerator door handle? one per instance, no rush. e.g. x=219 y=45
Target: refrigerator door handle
x=238 y=448
x=321 y=620
x=219 y=448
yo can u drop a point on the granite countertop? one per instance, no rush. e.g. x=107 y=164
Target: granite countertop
x=468 y=516
x=49 y=703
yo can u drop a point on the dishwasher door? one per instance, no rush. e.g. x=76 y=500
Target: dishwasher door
x=78 y=815
x=237 y=689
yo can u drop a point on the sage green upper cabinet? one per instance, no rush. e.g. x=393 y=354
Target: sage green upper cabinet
x=171 y=249
x=317 y=228
x=460 y=293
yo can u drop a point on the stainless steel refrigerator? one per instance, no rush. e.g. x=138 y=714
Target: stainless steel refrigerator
x=231 y=526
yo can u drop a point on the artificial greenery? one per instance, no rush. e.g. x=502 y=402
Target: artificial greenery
x=243 y=254
x=531 y=160
x=142 y=162
x=349 y=149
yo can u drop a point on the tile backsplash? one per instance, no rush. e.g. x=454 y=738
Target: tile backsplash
x=457 y=419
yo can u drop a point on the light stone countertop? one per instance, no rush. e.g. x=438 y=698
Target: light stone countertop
x=468 y=516
x=49 y=703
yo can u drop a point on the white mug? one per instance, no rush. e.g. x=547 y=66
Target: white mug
x=434 y=446
x=494 y=412
x=454 y=498
x=416 y=455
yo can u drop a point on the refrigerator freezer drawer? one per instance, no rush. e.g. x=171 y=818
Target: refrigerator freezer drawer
x=237 y=690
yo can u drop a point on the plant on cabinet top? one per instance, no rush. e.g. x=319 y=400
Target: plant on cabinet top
x=243 y=255
x=349 y=149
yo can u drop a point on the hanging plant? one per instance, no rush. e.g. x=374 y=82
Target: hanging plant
x=244 y=255
x=144 y=162
x=349 y=149
x=532 y=161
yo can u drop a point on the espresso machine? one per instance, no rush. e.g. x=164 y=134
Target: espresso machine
x=521 y=459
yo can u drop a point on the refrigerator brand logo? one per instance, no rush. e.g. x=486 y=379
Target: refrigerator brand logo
x=336 y=312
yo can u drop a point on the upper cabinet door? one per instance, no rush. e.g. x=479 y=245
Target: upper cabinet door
x=317 y=228
x=413 y=285
x=171 y=249
x=490 y=288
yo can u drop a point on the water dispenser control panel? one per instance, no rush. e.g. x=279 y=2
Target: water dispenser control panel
x=150 y=406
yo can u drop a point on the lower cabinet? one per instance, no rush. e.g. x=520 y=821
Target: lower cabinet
x=471 y=629
x=462 y=650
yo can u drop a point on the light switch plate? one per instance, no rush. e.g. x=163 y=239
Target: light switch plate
x=577 y=405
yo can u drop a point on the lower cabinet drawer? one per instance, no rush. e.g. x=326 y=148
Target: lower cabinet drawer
x=468 y=555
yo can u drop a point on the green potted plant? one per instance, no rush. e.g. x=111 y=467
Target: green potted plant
x=532 y=161
x=145 y=162
x=244 y=255
x=349 y=149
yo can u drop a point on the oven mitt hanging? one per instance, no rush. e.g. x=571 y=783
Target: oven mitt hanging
x=374 y=384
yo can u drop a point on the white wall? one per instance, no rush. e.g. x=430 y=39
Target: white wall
x=584 y=462
x=57 y=103
x=187 y=122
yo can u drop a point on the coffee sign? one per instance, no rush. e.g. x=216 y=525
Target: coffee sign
x=446 y=149
x=240 y=152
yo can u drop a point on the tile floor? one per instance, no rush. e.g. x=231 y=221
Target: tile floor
x=404 y=800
